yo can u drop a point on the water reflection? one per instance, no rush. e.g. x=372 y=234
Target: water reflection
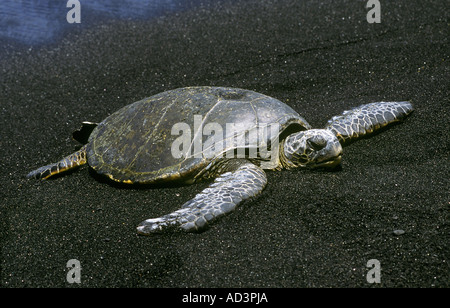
x=34 y=22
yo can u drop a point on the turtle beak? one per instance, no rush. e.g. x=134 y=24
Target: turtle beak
x=330 y=155
x=330 y=163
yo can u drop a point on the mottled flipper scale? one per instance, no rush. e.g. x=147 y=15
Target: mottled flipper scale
x=365 y=119
x=73 y=160
x=228 y=190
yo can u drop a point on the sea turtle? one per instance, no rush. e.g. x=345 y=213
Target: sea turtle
x=141 y=143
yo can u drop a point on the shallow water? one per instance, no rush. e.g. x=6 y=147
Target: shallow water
x=34 y=22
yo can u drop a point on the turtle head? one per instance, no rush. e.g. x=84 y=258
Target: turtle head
x=314 y=148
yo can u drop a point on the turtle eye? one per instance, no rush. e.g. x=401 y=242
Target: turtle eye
x=317 y=143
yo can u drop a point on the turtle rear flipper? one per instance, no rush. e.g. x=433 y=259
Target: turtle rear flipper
x=69 y=162
x=365 y=119
x=242 y=181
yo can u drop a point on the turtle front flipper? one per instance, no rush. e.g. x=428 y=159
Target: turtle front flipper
x=242 y=181
x=73 y=160
x=365 y=119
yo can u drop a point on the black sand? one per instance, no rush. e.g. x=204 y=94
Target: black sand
x=308 y=228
